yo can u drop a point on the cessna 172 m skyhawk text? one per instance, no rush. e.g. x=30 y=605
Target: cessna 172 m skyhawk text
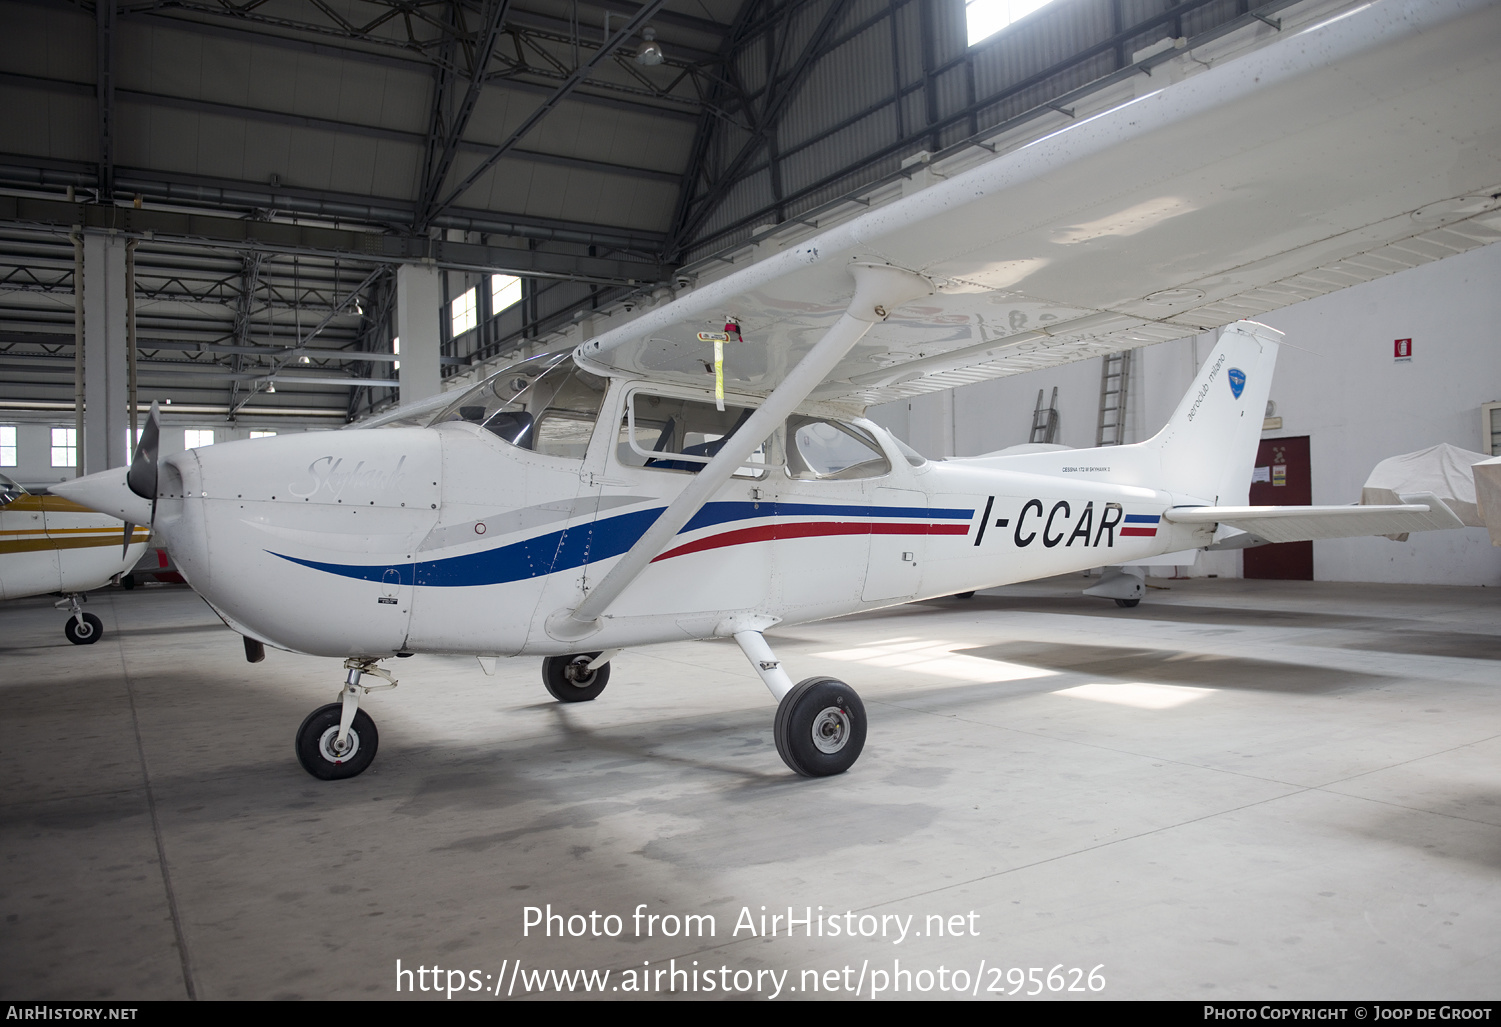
x=577 y=505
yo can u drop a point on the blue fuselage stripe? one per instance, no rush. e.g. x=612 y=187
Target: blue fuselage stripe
x=597 y=540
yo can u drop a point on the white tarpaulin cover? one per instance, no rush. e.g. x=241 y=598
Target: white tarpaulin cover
x=1488 y=495
x=1444 y=470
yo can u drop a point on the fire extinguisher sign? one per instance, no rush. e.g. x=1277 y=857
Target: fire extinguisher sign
x=1402 y=350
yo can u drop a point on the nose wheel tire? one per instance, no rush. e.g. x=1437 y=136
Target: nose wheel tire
x=820 y=727
x=569 y=680
x=318 y=747
x=1126 y=604
x=86 y=632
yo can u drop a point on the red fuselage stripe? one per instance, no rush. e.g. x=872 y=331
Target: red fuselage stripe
x=1140 y=532
x=771 y=532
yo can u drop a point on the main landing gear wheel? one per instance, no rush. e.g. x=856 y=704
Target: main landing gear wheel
x=569 y=679
x=1127 y=603
x=318 y=744
x=85 y=629
x=820 y=727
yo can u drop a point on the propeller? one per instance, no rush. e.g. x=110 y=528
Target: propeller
x=141 y=478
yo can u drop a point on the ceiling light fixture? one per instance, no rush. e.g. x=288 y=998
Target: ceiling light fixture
x=650 y=53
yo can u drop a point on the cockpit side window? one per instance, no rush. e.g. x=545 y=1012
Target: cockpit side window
x=674 y=434
x=824 y=449
x=547 y=404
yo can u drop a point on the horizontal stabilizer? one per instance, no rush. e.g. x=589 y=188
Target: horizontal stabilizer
x=1422 y=512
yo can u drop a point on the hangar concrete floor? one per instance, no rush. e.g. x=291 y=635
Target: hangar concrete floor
x=1238 y=790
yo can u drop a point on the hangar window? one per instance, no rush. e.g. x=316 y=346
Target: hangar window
x=466 y=312
x=675 y=434
x=505 y=292
x=987 y=17
x=822 y=449
x=8 y=446
x=194 y=438
x=547 y=404
x=64 y=447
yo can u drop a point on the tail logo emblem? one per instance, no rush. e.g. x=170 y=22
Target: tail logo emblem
x=1237 y=379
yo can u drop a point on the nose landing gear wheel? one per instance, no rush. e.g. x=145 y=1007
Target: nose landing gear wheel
x=86 y=633
x=1126 y=604
x=318 y=744
x=820 y=727
x=569 y=680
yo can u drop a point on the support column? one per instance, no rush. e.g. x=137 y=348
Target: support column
x=418 y=299
x=106 y=417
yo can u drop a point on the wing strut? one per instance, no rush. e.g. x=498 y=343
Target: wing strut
x=879 y=289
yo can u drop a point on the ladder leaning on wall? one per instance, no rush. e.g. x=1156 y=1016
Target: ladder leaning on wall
x=1045 y=420
x=1115 y=378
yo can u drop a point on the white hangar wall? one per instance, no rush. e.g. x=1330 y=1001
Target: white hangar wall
x=1337 y=382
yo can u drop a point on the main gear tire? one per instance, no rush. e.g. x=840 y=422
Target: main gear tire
x=568 y=678
x=820 y=727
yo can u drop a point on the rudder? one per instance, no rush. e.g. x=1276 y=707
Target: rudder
x=1208 y=446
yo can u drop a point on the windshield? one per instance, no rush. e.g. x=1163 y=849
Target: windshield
x=9 y=491
x=547 y=404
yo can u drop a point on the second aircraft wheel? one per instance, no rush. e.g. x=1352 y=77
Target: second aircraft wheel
x=318 y=743
x=1127 y=603
x=569 y=679
x=86 y=633
x=820 y=727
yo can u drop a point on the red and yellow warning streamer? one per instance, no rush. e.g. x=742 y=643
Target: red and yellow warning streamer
x=731 y=333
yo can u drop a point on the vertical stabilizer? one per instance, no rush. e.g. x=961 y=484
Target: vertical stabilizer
x=1209 y=445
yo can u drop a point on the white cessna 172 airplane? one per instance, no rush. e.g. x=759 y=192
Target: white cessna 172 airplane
x=579 y=504
x=51 y=544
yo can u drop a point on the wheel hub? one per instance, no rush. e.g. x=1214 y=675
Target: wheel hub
x=831 y=729
x=329 y=748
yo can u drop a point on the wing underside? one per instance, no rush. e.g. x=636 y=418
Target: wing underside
x=1331 y=157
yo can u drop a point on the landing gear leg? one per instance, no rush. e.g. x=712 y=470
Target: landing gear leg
x=82 y=628
x=820 y=722
x=339 y=740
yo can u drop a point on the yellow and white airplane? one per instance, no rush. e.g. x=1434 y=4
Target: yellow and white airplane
x=51 y=544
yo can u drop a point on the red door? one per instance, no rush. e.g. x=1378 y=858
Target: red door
x=1283 y=478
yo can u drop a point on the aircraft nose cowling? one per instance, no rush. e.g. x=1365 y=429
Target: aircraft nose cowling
x=306 y=541
x=108 y=492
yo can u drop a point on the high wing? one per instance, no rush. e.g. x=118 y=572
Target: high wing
x=1260 y=524
x=1346 y=151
